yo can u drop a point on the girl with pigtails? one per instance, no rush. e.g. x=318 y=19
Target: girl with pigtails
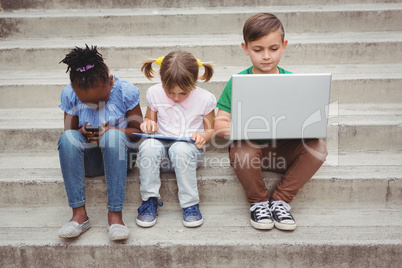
x=101 y=112
x=175 y=108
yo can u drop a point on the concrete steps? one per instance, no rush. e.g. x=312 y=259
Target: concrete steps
x=352 y=179
x=172 y=21
x=130 y=51
x=348 y=214
x=353 y=83
x=225 y=240
x=10 y=5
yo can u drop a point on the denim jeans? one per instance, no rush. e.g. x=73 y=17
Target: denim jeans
x=156 y=156
x=112 y=158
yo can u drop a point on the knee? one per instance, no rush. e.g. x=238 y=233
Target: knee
x=112 y=136
x=317 y=148
x=70 y=139
x=150 y=148
x=115 y=139
x=182 y=149
x=244 y=152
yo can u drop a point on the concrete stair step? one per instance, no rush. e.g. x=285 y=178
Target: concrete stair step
x=41 y=23
x=352 y=179
x=35 y=88
x=129 y=51
x=226 y=239
x=348 y=214
x=9 y=5
x=352 y=127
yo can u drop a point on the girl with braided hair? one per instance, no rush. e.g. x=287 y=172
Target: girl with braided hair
x=101 y=112
x=175 y=108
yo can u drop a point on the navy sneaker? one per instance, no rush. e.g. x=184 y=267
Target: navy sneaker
x=192 y=216
x=281 y=214
x=260 y=216
x=147 y=212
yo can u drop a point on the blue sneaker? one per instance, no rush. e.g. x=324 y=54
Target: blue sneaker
x=147 y=212
x=192 y=216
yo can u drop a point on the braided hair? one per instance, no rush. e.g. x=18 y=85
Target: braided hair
x=86 y=66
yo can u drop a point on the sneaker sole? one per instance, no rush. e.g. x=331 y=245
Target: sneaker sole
x=262 y=226
x=285 y=227
x=77 y=235
x=73 y=236
x=145 y=224
x=193 y=223
x=117 y=238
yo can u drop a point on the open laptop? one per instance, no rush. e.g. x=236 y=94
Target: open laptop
x=283 y=106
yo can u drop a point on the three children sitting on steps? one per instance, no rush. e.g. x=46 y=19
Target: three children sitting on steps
x=175 y=108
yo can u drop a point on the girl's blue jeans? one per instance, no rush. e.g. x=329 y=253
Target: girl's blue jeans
x=113 y=157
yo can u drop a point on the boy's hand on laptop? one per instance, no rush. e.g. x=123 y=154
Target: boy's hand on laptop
x=199 y=140
x=149 y=126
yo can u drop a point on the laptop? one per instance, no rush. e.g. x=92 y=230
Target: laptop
x=282 y=106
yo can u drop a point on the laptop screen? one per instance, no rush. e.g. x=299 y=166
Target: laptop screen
x=283 y=106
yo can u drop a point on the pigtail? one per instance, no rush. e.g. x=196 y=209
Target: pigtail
x=147 y=69
x=208 y=73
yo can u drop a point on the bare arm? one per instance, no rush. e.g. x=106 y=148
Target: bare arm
x=222 y=124
x=134 y=120
x=202 y=138
x=72 y=122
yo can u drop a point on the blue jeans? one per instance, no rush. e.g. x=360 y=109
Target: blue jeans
x=183 y=158
x=113 y=157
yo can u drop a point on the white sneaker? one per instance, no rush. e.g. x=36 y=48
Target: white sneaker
x=73 y=229
x=118 y=232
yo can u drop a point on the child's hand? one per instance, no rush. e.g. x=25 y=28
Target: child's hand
x=105 y=127
x=199 y=140
x=149 y=126
x=90 y=136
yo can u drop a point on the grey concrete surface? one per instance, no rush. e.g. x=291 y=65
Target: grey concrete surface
x=179 y=21
x=130 y=51
x=361 y=83
x=349 y=214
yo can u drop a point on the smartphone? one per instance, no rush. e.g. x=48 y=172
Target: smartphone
x=93 y=128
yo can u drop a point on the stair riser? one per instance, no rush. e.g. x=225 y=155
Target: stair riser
x=296 y=54
x=343 y=91
x=341 y=138
x=217 y=189
x=182 y=24
x=229 y=255
x=60 y=4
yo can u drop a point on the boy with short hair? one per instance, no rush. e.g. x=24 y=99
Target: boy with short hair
x=264 y=42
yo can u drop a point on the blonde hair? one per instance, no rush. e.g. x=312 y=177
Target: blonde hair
x=178 y=68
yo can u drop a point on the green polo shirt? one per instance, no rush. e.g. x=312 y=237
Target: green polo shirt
x=225 y=102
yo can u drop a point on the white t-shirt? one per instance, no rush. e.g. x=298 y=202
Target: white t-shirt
x=180 y=119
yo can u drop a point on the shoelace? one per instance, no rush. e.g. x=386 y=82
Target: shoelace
x=190 y=211
x=149 y=207
x=281 y=210
x=261 y=210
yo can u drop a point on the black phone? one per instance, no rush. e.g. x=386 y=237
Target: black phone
x=93 y=128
